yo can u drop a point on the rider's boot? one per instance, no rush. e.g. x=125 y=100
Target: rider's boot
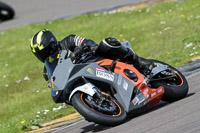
x=141 y=62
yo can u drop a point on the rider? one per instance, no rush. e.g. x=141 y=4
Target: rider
x=44 y=44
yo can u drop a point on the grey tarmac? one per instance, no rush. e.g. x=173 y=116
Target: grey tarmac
x=35 y=11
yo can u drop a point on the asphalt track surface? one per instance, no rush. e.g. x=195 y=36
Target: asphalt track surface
x=182 y=116
x=34 y=11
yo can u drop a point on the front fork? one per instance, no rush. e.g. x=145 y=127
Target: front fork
x=87 y=88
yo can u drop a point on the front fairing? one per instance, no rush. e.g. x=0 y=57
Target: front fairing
x=128 y=92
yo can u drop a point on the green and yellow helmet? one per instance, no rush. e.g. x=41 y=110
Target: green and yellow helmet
x=43 y=44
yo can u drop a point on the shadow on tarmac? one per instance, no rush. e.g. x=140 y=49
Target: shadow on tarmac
x=96 y=127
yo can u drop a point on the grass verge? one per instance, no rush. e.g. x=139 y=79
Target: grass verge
x=169 y=32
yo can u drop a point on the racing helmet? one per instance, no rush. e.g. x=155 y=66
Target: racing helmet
x=43 y=44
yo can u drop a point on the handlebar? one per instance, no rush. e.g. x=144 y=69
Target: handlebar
x=84 y=58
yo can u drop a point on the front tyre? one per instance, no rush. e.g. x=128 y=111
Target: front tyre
x=175 y=88
x=108 y=113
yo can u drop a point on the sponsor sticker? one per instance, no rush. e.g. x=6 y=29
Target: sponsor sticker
x=100 y=72
x=100 y=69
x=160 y=90
x=135 y=100
x=119 y=81
x=141 y=101
x=90 y=71
x=145 y=92
x=153 y=94
x=125 y=85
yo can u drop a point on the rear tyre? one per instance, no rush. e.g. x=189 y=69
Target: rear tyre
x=175 y=88
x=110 y=114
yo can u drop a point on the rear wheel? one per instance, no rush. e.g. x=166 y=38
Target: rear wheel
x=175 y=88
x=108 y=113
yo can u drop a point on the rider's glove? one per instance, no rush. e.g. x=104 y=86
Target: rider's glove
x=79 y=51
x=145 y=63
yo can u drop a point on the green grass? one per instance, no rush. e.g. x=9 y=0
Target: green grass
x=143 y=28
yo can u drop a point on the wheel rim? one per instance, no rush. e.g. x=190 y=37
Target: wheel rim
x=111 y=108
x=175 y=81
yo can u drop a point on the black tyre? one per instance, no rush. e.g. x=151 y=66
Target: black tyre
x=109 y=115
x=6 y=12
x=175 y=88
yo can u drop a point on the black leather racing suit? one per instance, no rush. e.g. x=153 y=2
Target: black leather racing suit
x=72 y=41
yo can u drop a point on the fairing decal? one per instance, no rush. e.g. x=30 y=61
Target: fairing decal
x=86 y=88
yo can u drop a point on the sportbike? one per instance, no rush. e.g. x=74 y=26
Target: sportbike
x=104 y=91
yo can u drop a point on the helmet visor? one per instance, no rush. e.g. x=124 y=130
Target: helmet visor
x=46 y=52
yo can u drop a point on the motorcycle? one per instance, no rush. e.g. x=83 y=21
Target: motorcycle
x=104 y=91
x=6 y=12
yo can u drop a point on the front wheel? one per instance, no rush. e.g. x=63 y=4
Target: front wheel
x=108 y=113
x=175 y=88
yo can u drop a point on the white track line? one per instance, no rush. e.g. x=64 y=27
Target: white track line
x=68 y=126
